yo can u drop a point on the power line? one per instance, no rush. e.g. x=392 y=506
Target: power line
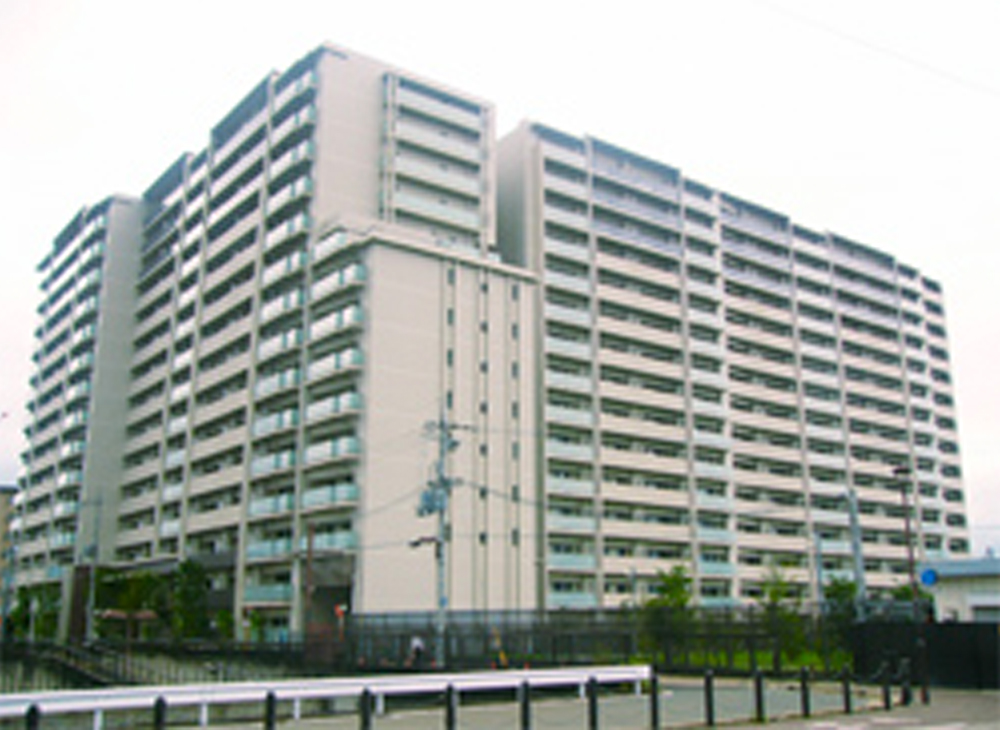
x=877 y=48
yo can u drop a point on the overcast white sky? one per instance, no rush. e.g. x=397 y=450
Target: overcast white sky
x=876 y=119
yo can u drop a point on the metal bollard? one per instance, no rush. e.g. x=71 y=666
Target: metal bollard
x=593 y=720
x=365 y=709
x=524 y=696
x=905 y=683
x=450 y=708
x=270 y=711
x=922 y=668
x=845 y=684
x=32 y=718
x=804 y=692
x=709 y=698
x=160 y=714
x=758 y=696
x=654 y=702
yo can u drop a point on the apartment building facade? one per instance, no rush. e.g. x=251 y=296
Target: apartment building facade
x=239 y=368
x=720 y=383
x=272 y=327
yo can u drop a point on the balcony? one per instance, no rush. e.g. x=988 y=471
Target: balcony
x=714 y=534
x=439 y=140
x=574 y=251
x=297 y=225
x=303 y=83
x=568 y=381
x=633 y=207
x=67 y=478
x=578 y=350
x=570 y=599
x=576 y=219
x=335 y=321
x=578 y=284
x=299 y=153
x=557 y=522
x=349 y=358
x=449 y=211
x=276 y=382
x=65 y=509
x=333 y=541
x=265 y=549
x=711 y=568
x=424 y=171
x=170 y=528
x=638 y=179
x=341 y=403
x=267 y=592
x=571 y=561
x=305 y=117
x=288 y=340
x=569 y=487
x=330 y=495
x=568 y=450
x=334 y=449
x=573 y=416
x=434 y=108
x=172 y=493
x=270 y=423
x=284 y=267
x=297 y=190
x=337 y=280
x=570 y=315
x=269 y=463
x=59 y=540
x=271 y=505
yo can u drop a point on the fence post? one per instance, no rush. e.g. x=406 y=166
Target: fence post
x=270 y=711
x=365 y=709
x=160 y=714
x=525 y=700
x=804 y=690
x=654 y=701
x=845 y=685
x=758 y=696
x=886 y=686
x=922 y=668
x=709 y=698
x=450 y=708
x=32 y=718
x=592 y=714
x=905 y=687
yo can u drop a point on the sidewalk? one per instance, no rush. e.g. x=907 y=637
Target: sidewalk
x=682 y=704
x=949 y=710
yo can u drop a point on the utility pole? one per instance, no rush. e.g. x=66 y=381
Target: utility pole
x=434 y=500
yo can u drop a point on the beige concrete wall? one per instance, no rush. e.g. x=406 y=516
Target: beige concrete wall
x=406 y=385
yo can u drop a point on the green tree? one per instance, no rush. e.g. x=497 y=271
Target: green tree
x=667 y=619
x=189 y=618
x=782 y=616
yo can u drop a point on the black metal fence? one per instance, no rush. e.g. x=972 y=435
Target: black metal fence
x=728 y=642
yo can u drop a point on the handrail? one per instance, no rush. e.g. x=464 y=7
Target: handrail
x=203 y=696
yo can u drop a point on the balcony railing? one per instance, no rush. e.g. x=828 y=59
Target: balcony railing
x=271 y=505
x=331 y=494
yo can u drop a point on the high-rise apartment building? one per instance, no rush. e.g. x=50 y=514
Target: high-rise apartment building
x=719 y=383
x=238 y=367
x=250 y=365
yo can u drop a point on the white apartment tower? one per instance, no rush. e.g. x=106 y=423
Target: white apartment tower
x=239 y=368
x=718 y=383
x=276 y=321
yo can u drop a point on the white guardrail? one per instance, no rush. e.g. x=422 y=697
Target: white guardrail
x=96 y=702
